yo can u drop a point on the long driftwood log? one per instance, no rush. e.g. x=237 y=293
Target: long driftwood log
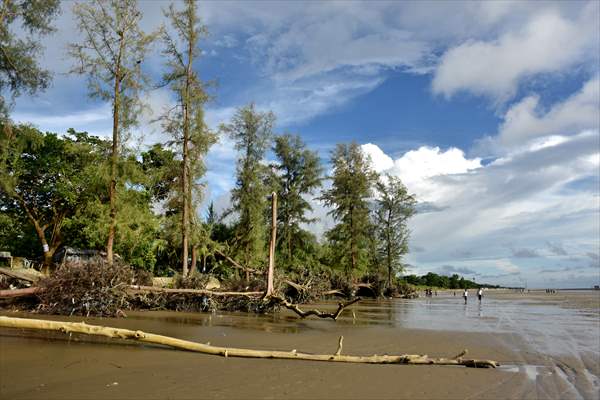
x=118 y=333
x=315 y=312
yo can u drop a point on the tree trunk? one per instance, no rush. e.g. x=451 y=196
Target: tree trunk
x=272 y=246
x=194 y=260
x=114 y=158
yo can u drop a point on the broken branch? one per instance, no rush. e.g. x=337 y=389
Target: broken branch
x=320 y=314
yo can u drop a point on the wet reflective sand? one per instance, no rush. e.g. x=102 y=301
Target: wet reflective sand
x=549 y=347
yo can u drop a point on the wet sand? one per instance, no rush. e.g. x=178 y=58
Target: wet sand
x=50 y=365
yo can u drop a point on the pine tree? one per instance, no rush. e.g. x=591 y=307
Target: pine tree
x=351 y=189
x=252 y=132
x=299 y=175
x=185 y=122
x=110 y=53
x=394 y=207
x=19 y=67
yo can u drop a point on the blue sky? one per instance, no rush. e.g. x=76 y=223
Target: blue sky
x=488 y=111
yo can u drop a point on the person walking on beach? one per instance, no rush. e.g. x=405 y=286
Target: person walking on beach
x=465 y=295
x=480 y=294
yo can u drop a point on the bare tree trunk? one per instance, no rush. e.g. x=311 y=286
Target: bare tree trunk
x=185 y=211
x=114 y=158
x=194 y=260
x=272 y=246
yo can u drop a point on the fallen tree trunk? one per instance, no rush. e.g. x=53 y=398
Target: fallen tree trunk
x=16 y=275
x=142 y=289
x=320 y=314
x=12 y=293
x=118 y=333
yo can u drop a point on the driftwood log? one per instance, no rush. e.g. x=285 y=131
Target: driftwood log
x=315 y=312
x=12 y=293
x=118 y=333
x=17 y=275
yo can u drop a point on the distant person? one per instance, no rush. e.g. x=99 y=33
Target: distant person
x=480 y=294
x=466 y=295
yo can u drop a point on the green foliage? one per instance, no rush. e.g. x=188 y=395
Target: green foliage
x=299 y=175
x=432 y=279
x=394 y=206
x=19 y=67
x=110 y=54
x=348 y=197
x=45 y=179
x=185 y=122
x=252 y=131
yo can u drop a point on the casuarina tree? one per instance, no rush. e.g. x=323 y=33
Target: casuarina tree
x=110 y=54
x=348 y=197
x=394 y=206
x=20 y=69
x=299 y=175
x=252 y=131
x=185 y=122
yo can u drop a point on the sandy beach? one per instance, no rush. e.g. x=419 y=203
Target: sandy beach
x=49 y=365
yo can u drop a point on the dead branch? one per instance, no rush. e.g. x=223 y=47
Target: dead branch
x=333 y=292
x=12 y=293
x=235 y=263
x=320 y=314
x=74 y=327
x=17 y=275
x=138 y=289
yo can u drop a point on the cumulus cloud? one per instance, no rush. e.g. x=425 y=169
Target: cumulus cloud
x=521 y=197
x=524 y=120
x=415 y=168
x=548 y=43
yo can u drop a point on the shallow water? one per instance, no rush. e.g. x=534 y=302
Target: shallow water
x=549 y=348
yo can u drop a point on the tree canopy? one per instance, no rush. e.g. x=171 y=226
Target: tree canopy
x=20 y=68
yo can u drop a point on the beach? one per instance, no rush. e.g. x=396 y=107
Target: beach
x=547 y=346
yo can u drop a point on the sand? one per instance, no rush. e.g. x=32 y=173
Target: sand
x=52 y=366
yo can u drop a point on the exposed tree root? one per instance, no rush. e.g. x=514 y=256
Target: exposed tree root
x=71 y=327
x=320 y=314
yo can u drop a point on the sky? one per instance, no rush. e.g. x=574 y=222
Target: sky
x=488 y=111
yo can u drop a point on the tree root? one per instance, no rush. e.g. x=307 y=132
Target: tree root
x=304 y=314
x=73 y=327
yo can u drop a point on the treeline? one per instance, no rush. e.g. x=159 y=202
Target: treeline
x=83 y=191
x=454 y=281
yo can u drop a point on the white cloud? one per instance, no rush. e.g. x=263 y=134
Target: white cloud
x=379 y=160
x=524 y=120
x=526 y=198
x=96 y=120
x=550 y=42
